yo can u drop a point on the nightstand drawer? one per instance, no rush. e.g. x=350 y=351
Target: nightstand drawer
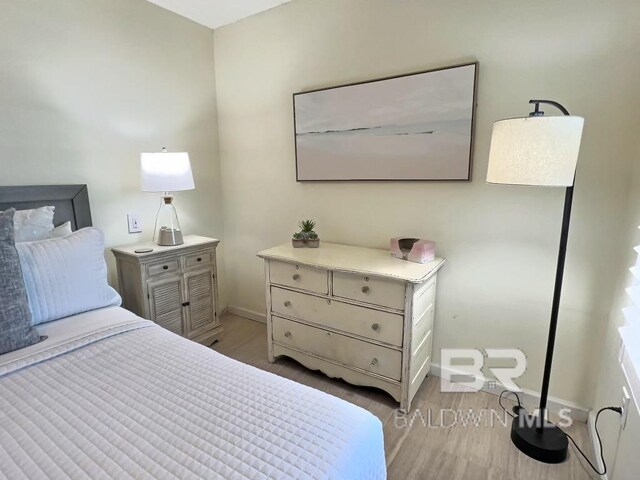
x=196 y=259
x=339 y=348
x=377 y=291
x=169 y=265
x=365 y=322
x=299 y=276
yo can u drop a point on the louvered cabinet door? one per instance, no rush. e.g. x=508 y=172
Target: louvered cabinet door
x=200 y=294
x=165 y=302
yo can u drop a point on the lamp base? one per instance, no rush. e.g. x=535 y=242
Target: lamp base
x=547 y=444
x=169 y=237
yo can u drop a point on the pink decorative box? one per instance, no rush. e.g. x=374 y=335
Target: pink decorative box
x=413 y=249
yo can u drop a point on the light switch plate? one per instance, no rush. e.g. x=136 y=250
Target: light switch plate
x=135 y=225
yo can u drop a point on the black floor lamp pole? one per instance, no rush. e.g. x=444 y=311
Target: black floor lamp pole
x=555 y=308
x=557 y=290
x=535 y=436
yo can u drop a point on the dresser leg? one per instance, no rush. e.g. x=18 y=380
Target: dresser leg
x=405 y=405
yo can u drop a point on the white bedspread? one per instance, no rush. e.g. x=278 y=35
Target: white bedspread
x=110 y=395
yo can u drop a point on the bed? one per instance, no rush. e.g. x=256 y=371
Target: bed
x=111 y=395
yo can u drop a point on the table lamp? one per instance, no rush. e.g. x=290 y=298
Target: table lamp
x=166 y=172
x=540 y=150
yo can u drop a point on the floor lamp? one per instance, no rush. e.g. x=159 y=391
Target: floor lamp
x=539 y=150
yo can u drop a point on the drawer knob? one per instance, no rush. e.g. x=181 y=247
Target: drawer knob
x=364 y=289
x=199 y=259
x=287 y=303
x=374 y=362
x=165 y=267
x=375 y=327
x=296 y=277
x=287 y=334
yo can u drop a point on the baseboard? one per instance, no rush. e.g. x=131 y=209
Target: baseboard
x=529 y=397
x=591 y=428
x=246 y=313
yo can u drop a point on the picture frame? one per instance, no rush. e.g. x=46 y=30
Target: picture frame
x=415 y=126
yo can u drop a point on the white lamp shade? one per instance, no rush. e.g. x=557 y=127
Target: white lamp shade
x=165 y=172
x=535 y=150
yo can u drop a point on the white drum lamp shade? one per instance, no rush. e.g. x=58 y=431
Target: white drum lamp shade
x=535 y=150
x=165 y=172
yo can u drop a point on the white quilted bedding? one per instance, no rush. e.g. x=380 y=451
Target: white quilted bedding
x=110 y=395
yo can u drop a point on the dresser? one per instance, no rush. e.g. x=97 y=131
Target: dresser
x=353 y=313
x=176 y=287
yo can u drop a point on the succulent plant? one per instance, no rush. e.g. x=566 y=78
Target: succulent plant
x=312 y=235
x=298 y=236
x=307 y=226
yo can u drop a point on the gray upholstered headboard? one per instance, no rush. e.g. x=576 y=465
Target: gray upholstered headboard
x=71 y=202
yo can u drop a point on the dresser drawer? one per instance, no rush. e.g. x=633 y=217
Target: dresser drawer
x=377 y=291
x=374 y=324
x=299 y=276
x=339 y=348
x=171 y=265
x=197 y=258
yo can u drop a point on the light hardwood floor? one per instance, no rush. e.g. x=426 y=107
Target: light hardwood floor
x=428 y=448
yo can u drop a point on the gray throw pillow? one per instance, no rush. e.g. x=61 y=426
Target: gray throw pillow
x=15 y=318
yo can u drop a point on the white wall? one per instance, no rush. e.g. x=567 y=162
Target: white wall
x=501 y=241
x=611 y=378
x=86 y=86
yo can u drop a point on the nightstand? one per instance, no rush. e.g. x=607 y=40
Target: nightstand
x=176 y=287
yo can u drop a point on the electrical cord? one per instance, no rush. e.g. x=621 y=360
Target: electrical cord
x=603 y=409
x=604 y=464
x=502 y=406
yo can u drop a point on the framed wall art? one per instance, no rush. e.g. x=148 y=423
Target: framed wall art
x=412 y=127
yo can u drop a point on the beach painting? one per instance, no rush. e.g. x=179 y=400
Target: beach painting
x=410 y=127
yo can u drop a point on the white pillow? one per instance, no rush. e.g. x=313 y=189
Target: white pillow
x=34 y=224
x=61 y=230
x=66 y=276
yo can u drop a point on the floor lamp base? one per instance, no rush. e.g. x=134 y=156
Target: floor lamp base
x=548 y=444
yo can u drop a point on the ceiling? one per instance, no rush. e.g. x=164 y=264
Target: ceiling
x=216 y=13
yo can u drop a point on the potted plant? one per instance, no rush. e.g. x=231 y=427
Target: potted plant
x=306 y=237
x=313 y=241
x=297 y=240
x=308 y=234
